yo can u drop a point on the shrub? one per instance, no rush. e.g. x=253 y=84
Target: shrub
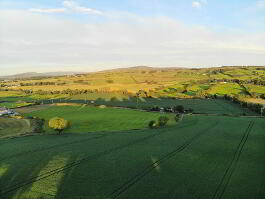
x=190 y=110
x=179 y=109
x=37 y=125
x=177 y=118
x=152 y=124
x=162 y=120
x=155 y=108
x=113 y=99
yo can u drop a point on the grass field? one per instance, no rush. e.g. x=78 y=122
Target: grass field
x=93 y=119
x=201 y=157
x=11 y=127
x=207 y=106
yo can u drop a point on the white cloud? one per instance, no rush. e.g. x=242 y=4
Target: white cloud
x=43 y=42
x=199 y=4
x=77 y=8
x=69 y=6
x=261 y=4
x=52 y=10
x=196 y=4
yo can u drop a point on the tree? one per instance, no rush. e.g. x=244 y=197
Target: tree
x=138 y=95
x=177 y=117
x=37 y=125
x=179 y=109
x=58 y=124
x=152 y=124
x=162 y=120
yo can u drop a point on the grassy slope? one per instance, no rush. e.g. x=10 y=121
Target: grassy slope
x=12 y=127
x=92 y=119
x=109 y=162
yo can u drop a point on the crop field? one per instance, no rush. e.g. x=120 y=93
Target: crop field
x=200 y=157
x=206 y=106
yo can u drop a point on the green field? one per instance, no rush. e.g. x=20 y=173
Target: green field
x=201 y=157
x=206 y=106
x=94 y=119
x=215 y=152
x=12 y=127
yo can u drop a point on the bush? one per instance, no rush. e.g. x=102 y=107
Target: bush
x=178 y=108
x=37 y=125
x=155 y=108
x=162 y=120
x=152 y=124
x=190 y=110
x=113 y=99
x=177 y=118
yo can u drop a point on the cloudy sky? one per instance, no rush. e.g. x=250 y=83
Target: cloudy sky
x=92 y=35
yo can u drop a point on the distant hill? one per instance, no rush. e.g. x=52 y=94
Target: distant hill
x=31 y=75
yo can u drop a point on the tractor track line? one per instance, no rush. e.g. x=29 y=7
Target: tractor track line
x=231 y=167
x=78 y=162
x=124 y=187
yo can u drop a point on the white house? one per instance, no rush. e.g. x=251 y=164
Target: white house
x=5 y=111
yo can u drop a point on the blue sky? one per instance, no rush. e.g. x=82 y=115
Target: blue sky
x=92 y=35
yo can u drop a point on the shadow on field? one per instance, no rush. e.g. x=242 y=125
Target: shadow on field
x=41 y=176
x=16 y=178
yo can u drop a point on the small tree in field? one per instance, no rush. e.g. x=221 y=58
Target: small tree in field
x=58 y=124
x=152 y=124
x=177 y=118
x=178 y=108
x=162 y=120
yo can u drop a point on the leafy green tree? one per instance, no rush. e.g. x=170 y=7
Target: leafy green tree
x=162 y=120
x=59 y=124
x=152 y=124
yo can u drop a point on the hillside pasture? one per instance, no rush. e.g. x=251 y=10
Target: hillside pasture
x=85 y=119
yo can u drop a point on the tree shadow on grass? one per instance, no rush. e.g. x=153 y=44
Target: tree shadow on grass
x=33 y=176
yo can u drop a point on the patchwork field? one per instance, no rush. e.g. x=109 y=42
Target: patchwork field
x=215 y=151
x=200 y=157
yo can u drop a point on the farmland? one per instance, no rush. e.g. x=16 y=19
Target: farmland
x=215 y=151
x=200 y=157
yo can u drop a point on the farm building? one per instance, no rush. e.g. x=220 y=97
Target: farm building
x=6 y=112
